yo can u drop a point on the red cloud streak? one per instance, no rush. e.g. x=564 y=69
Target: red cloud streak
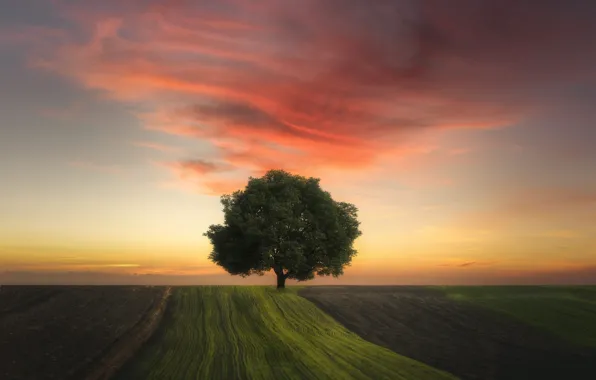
x=313 y=84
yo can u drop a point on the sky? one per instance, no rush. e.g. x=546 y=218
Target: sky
x=464 y=131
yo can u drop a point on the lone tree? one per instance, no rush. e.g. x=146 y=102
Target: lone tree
x=286 y=223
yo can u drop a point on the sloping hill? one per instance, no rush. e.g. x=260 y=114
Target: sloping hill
x=476 y=333
x=258 y=333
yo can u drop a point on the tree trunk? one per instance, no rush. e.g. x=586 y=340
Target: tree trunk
x=281 y=281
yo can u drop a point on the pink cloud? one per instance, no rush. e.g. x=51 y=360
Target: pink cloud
x=156 y=146
x=313 y=85
x=200 y=176
x=197 y=167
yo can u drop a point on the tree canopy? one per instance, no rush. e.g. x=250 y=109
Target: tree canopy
x=287 y=223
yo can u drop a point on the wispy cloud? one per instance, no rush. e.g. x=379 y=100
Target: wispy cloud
x=468 y=264
x=322 y=84
x=570 y=275
x=200 y=176
x=157 y=146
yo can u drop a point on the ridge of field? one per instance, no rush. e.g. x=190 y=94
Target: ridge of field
x=233 y=333
x=57 y=332
x=566 y=311
x=466 y=338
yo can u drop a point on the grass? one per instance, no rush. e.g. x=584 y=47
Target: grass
x=259 y=333
x=566 y=311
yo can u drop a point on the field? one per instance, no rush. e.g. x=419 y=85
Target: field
x=475 y=332
x=62 y=332
x=321 y=332
x=259 y=333
x=568 y=312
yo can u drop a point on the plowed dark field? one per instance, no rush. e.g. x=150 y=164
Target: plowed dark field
x=492 y=334
x=55 y=332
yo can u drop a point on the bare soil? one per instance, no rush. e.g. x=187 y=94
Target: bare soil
x=464 y=339
x=74 y=332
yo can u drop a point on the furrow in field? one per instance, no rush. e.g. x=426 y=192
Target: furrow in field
x=19 y=299
x=60 y=332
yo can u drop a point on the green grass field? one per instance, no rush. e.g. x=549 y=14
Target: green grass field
x=260 y=333
x=566 y=311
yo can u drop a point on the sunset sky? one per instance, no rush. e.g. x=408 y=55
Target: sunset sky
x=463 y=130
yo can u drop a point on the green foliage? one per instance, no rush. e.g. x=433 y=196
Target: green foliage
x=286 y=223
x=566 y=311
x=225 y=332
